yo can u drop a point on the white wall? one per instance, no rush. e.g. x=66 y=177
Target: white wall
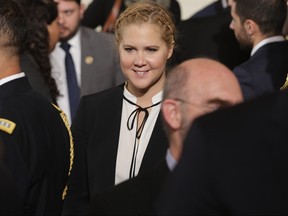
x=188 y=7
x=86 y=2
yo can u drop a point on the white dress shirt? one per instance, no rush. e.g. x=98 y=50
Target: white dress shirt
x=127 y=137
x=278 y=38
x=57 y=59
x=170 y=160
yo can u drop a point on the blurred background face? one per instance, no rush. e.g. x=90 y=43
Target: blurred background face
x=70 y=15
x=54 y=34
x=239 y=31
x=143 y=56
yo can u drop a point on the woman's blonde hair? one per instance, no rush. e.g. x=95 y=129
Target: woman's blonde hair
x=147 y=12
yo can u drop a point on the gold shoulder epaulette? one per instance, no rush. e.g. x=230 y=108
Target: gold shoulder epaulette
x=7 y=125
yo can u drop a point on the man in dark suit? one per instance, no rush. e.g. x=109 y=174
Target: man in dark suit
x=234 y=162
x=36 y=142
x=94 y=54
x=192 y=89
x=258 y=24
x=209 y=36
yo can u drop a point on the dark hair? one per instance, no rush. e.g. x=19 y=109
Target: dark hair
x=269 y=15
x=13 y=27
x=41 y=13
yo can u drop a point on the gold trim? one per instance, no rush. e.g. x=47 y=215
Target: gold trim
x=285 y=86
x=66 y=122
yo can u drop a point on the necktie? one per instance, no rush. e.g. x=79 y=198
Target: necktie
x=73 y=89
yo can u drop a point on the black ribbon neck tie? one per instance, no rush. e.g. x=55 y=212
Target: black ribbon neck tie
x=130 y=125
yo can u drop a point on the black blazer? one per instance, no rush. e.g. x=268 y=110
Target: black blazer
x=135 y=196
x=95 y=131
x=234 y=162
x=265 y=71
x=37 y=151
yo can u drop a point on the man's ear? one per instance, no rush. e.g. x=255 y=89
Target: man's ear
x=250 y=27
x=171 y=113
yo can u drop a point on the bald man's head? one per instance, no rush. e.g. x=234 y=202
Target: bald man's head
x=209 y=83
x=203 y=79
x=194 y=88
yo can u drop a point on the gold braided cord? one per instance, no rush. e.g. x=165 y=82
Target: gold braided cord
x=66 y=122
x=285 y=86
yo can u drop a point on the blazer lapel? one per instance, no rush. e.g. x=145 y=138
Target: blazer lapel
x=106 y=149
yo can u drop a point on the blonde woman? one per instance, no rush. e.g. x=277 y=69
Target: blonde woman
x=118 y=133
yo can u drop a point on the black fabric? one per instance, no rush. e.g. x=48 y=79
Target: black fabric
x=135 y=196
x=265 y=71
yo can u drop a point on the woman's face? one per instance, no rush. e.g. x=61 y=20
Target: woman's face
x=143 y=56
x=54 y=33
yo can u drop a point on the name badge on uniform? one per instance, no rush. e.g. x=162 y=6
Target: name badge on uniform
x=7 y=126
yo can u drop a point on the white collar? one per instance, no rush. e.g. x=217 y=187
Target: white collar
x=224 y=3
x=277 y=38
x=12 y=77
x=74 y=41
x=155 y=99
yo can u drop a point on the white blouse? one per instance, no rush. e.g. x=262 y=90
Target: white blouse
x=127 y=138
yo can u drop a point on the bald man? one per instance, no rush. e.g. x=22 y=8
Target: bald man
x=234 y=162
x=192 y=89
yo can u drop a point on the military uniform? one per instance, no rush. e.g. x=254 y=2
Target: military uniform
x=36 y=147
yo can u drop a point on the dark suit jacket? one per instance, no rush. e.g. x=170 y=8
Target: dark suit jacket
x=234 y=162
x=209 y=37
x=95 y=131
x=37 y=150
x=104 y=72
x=265 y=71
x=135 y=196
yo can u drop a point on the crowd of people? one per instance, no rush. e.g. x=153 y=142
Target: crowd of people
x=150 y=115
